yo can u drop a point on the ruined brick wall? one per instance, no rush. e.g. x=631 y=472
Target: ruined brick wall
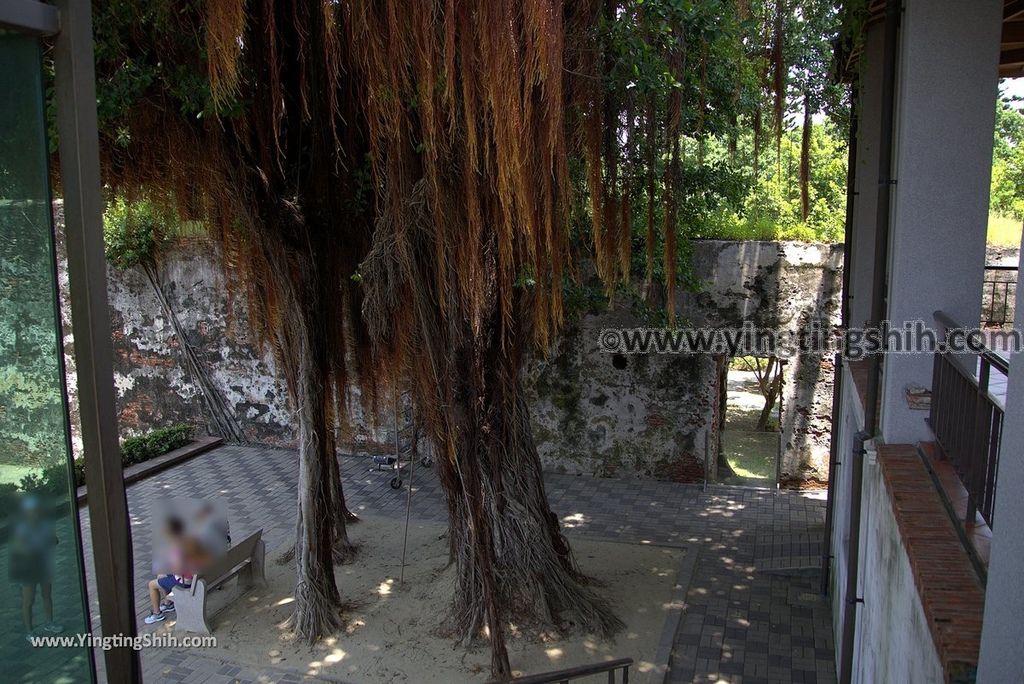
x=651 y=418
x=153 y=385
x=655 y=415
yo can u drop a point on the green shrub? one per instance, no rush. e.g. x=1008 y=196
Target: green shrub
x=52 y=481
x=155 y=443
x=130 y=233
x=8 y=497
x=79 y=470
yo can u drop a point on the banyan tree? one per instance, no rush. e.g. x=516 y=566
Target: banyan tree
x=404 y=191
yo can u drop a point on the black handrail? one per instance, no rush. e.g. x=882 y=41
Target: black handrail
x=570 y=673
x=997 y=361
x=997 y=300
x=968 y=421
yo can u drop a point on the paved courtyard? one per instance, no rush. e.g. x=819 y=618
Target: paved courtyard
x=753 y=613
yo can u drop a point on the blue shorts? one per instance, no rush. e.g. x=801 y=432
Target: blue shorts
x=169 y=582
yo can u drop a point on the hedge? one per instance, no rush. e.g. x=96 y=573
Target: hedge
x=53 y=479
x=156 y=443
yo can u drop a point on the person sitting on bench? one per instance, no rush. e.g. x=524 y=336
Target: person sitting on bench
x=185 y=558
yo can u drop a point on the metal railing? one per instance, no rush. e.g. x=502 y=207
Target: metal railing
x=570 y=673
x=999 y=295
x=967 y=420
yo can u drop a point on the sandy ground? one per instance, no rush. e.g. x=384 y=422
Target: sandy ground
x=392 y=629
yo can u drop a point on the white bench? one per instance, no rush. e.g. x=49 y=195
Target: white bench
x=244 y=559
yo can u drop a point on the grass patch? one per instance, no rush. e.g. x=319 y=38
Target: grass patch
x=751 y=454
x=1003 y=231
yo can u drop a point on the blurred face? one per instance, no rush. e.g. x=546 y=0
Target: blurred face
x=174 y=528
x=31 y=509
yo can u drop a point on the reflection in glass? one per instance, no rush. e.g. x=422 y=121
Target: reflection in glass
x=41 y=589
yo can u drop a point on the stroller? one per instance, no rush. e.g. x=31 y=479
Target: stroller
x=407 y=440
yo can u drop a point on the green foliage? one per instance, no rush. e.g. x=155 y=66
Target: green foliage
x=78 y=469
x=725 y=200
x=9 y=493
x=130 y=233
x=1007 y=192
x=31 y=407
x=134 y=231
x=128 y=64
x=51 y=482
x=156 y=443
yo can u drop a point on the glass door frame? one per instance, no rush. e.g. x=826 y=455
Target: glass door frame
x=68 y=25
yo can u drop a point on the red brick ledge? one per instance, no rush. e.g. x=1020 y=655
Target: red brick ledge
x=950 y=592
x=140 y=471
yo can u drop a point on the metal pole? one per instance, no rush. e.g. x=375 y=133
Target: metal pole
x=408 y=498
x=779 y=366
x=707 y=451
x=83 y=210
x=398 y=448
x=408 y=511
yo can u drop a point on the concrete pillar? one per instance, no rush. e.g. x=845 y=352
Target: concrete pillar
x=948 y=82
x=862 y=247
x=1002 y=649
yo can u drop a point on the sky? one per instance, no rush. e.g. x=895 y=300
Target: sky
x=1014 y=87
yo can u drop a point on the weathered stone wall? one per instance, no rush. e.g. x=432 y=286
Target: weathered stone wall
x=652 y=418
x=152 y=383
x=655 y=417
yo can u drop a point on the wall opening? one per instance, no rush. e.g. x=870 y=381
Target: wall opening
x=750 y=420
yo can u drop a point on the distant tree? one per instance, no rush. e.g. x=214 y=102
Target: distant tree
x=768 y=374
x=1007 y=194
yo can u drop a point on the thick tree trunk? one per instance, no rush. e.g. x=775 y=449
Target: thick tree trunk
x=725 y=470
x=769 y=402
x=322 y=537
x=512 y=562
x=805 y=161
x=757 y=144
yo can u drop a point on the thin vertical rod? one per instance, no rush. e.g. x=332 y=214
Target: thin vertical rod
x=408 y=507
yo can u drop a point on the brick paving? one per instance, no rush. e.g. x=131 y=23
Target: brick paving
x=753 y=613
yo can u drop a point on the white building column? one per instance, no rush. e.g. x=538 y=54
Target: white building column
x=1002 y=646
x=948 y=82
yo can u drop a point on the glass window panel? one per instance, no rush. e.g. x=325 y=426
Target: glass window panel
x=40 y=559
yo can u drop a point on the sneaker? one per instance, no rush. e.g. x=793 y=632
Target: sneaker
x=154 y=618
x=52 y=628
x=166 y=607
